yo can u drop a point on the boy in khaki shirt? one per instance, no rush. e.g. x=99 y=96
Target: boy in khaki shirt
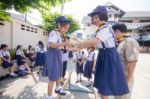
x=128 y=49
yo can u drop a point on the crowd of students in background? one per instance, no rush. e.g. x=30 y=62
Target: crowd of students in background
x=32 y=58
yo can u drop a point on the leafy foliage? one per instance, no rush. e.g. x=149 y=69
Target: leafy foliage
x=49 y=22
x=23 y=6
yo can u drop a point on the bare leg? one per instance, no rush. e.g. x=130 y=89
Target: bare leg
x=13 y=69
x=104 y=97
x=118 y=97
x=50 y=88
x=9 y=69
x=57 y=83
x=28 y=68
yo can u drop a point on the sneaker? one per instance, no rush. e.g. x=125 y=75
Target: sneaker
x=13 y=75
x=61 y=92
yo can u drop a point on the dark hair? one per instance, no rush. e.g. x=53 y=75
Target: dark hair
x=121 y=27
x=3 y=46
x=18 y=47
x=29 y=46
x=62 y=24
x=41 y=44
x=103 y=16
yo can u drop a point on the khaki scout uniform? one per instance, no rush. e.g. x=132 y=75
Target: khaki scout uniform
x=129 y=52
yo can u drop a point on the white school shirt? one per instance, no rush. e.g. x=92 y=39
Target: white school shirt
x=55 y=37
x=19 y=52
x=80 y=55
x=91 y=56
x=65 y=56
x=39 y=49
x=106 y=35
x=28 y=51
x=4 y=53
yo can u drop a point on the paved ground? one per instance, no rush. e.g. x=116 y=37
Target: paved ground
x=27 y=88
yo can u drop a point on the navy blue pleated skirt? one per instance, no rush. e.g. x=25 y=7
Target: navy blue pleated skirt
x=53 y=68
x=20 y=60
x=109 y=77
x=30 y=56
x=6 y=64
x=79 y=68
x=40 y=59
x=88 y=69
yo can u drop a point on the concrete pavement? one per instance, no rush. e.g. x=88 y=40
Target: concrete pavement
x=27 y=88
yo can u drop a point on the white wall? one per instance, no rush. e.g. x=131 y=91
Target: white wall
x=26 y=38
x=5 y=33
x=19 y=36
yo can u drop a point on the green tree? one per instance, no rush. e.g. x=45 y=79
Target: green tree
x=49 y=22
x=23 y=6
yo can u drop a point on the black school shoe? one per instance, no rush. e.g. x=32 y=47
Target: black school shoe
x=61 y=92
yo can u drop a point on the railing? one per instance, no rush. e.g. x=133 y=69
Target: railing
x=136 y=25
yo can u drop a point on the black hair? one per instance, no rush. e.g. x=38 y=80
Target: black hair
x=29 y=46
x=62 y=24
x=103 y=16
x=18 y=47
x=3 y=46
x=121 y=27
x=41 y=44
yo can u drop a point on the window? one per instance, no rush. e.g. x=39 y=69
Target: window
x=35 y=31
x=27 y=28
x=144 y=20
x=22 y=27
x=32 y=29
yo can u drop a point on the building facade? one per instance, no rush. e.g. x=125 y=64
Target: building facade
x=19 y=32
x=133 y=20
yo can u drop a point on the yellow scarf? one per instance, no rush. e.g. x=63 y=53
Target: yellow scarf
x=123 y=37
x=100 y=27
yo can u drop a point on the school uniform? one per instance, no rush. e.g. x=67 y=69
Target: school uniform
x=129 y=52
x=20 y=58
x=40 y=56
x=65 y=60
x=109 y=76
x=53 y=68
x=30 y=55
x=6 y=55
x=89 y=65
x=79 y=56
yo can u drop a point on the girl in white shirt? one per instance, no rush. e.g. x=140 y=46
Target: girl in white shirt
x=6 y=60
x=53 y=68
x=22 y=60
x=109 y=76
x=90 y=65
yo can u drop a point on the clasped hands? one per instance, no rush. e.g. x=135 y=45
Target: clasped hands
x=73 y=45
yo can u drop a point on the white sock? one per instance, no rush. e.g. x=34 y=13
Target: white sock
x=58 y=88
x=11 y=73
x=49 y=97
